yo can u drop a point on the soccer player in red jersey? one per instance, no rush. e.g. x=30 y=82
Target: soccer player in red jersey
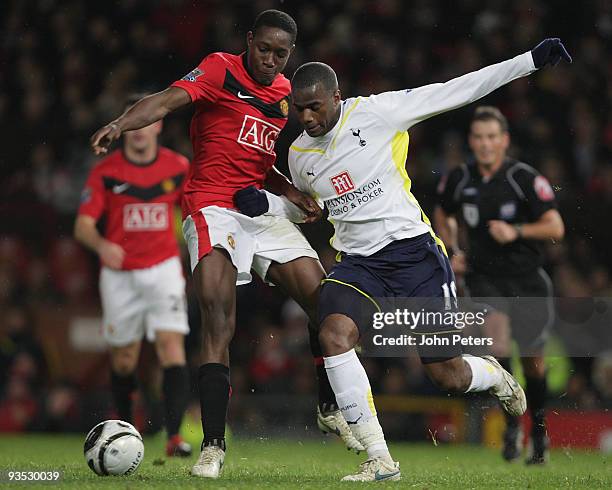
x=142 y=286
x=241 y=104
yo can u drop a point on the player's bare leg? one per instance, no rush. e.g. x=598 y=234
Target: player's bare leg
x=170 y=348
x=339 y=335
x=463 y=374
x=124 y=360
x=537 y=391
x=215 y=284
x=301 y=279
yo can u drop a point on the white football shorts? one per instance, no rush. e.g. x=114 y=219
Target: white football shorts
x=143 y=301
x=252 y=243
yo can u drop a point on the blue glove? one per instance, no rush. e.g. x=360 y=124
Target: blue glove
x=251 y=201
x=551 y=50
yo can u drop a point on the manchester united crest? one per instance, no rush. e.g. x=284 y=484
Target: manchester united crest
x=284 y=107
x=168 y=186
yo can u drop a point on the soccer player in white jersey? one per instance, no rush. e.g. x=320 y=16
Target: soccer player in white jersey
x=351 y=158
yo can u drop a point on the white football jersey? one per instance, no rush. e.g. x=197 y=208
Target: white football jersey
x=357 y=170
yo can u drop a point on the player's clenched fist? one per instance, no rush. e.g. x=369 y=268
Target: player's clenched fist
x=103 y=137
x=251 y=201
x=502 y=232
x=111 y=255
x=459 y=263
x=550 y=51
x=306 y=204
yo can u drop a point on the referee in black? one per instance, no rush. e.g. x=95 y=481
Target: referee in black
x=508 y=209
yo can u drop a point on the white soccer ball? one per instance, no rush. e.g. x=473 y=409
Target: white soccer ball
x=113 y=447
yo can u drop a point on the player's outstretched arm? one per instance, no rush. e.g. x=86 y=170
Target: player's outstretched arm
x=146 y=111
x=409 y=107
x=254 y=202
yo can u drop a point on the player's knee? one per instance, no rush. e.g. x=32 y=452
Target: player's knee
x=338 y=334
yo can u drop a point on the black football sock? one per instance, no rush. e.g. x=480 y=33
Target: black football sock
x=122 y=387
x=214 y=387
x=175 y=388
x=512 y=421
x=537 y=394
x=327 y=399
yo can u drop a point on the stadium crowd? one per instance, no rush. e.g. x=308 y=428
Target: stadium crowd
x=67 y=66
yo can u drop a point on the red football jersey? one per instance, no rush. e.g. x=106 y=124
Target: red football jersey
x=138 y=202
x=233 y=131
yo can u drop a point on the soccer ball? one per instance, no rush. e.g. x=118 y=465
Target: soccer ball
x=113 y=447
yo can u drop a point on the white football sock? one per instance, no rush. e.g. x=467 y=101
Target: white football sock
x=484 y=374
x=351 y=386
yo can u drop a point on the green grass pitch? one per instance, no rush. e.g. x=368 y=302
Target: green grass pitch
x=282 y=464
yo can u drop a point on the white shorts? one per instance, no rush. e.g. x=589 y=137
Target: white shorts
x=252 y=243
x=142 y=301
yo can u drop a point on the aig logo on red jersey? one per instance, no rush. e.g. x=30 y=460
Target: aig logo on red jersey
x=145 y=217
x=258 y=134
x=342 y=183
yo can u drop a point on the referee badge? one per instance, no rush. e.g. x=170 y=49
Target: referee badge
x=471 y=214
x=507 y=210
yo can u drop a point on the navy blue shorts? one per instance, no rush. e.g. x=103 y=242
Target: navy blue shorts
x=417 y=267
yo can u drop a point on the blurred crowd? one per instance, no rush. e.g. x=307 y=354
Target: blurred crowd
x=67 y=66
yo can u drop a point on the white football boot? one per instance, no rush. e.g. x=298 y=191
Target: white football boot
x=509 y=392
x=210 y=462
x=334 y=423
x=376 y=469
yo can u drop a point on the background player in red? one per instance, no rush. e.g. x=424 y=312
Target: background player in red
x=241 y=104
x=142 y=286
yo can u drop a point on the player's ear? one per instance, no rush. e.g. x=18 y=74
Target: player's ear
x=249 y=38
x=506 y=139
x=337 y=97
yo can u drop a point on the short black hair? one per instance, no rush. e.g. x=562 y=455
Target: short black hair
x=314 y=72
x=276 y=18
x=490 y=113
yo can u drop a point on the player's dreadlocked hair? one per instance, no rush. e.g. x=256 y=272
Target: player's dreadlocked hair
x=310 y=74
x=276 y=18
x=490 y=113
